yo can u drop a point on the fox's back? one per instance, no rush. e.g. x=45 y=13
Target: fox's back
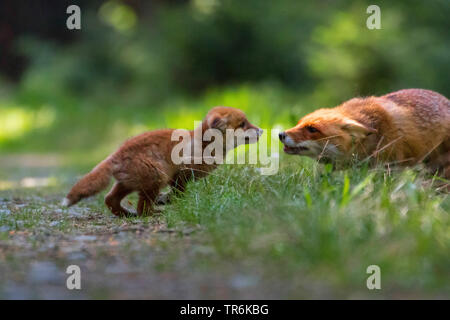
x=149 y=148
x=428 y=108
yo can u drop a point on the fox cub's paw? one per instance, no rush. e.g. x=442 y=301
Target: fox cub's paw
x=163 y=198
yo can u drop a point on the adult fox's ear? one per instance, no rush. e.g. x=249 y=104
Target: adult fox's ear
x=357 y=129
x=217 y=122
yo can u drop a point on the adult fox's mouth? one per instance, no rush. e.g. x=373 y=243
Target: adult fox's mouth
x=294 y=150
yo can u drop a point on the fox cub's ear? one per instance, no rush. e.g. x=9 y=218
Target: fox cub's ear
x=217 y=123
x=357 y=129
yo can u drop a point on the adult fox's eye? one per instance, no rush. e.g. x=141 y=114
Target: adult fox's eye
x=311 y=129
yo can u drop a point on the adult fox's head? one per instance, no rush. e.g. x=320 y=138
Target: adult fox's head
x=325 y=133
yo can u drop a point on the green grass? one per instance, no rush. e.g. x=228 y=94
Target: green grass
x=306 y=227
x=308 y=221
x=311 y=230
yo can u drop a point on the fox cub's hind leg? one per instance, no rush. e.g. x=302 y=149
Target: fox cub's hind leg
x=146 y=202
x=113 y=198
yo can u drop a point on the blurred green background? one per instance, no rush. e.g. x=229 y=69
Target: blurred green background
x=68 y=98
x=138 y=65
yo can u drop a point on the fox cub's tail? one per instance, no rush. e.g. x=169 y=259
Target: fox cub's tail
x=92 y=183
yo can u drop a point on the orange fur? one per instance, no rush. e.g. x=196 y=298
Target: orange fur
x=403 y=127
x=144 y=164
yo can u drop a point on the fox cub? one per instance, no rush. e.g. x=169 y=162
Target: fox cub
x=144 y=163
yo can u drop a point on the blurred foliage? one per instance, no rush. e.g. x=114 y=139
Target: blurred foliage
x=140 y=65
x=131 y=69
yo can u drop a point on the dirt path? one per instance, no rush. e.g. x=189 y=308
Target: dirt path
x=118 y=258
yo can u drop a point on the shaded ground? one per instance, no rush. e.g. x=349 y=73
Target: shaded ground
x=119 y=258
x=145 y=258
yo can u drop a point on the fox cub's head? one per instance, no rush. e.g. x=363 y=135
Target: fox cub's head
x=325 y=133
x=232 y=123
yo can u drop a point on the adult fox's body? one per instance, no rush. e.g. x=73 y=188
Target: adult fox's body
x=144 y=164
x=403 y=127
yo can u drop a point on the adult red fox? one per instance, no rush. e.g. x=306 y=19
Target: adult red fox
x=403 y=127
x=144 y=163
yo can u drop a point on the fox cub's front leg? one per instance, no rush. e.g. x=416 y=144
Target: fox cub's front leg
x=147 y=200
x=178 y=184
